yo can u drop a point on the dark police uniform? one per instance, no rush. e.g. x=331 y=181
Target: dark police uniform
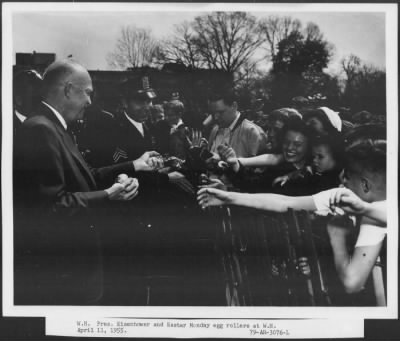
x=129 y=142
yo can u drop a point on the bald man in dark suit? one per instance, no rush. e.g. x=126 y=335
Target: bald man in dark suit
x=57 y=197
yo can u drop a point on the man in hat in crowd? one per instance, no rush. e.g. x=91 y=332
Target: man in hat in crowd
x=127 y=135
x=131 y=135
x=58 y=198
x=26 y=95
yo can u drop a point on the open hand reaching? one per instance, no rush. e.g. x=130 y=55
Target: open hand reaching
x=213 y=197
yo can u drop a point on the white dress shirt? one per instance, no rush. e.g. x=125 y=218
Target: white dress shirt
x=58 y=115
x=138 y=125
x=223 y=135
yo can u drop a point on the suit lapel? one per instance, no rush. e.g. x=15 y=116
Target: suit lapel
x=70 y=146
x=78 y=157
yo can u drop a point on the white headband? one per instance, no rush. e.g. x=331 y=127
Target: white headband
x=333 y=117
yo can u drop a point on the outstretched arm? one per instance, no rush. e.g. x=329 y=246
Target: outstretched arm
x=148 y=162
x=262 y=160
x=352 y=204
x=228 y=154
x=264 y=201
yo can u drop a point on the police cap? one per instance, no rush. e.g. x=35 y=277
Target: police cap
x=138 y=88
x=25 y=78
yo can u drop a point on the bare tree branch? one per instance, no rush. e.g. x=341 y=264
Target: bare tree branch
x=275 y=29
x=226 y=40
x=136 y=47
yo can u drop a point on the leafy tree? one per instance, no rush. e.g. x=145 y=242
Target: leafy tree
x=287 y=59
x=365 y=87
x=275 y=29
x=299 y=53
x=323 y=86
x=298 y=65
x=136 y=47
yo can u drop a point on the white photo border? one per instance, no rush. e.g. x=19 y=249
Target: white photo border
x=391 y=311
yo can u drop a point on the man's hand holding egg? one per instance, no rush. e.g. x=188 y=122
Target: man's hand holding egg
x=124 y=189
x=131 y=186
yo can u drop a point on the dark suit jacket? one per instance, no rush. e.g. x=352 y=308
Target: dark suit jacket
x=129 y=144
x=56 y=202
x=113 y=139
x=95 y=138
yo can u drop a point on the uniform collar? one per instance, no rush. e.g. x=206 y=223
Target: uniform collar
x=138 y=125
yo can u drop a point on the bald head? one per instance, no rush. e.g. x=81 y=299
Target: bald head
x=60 y=72
x=67 y=87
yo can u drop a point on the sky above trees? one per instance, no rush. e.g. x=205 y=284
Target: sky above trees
x=91 y=36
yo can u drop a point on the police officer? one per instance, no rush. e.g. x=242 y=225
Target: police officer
x=26 y=95
x=131 y=134
x=142 y=225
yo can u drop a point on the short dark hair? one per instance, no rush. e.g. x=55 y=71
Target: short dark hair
x=297 y=126
x=228 y=95
x=364 y=133
x=175 y=105
x=156 y=108
x=335 y=144
x=321 y=116
x=369 y=155
x=362 y=117
x=284 y=114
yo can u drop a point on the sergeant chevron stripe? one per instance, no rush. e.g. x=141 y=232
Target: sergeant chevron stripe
x=119 y=153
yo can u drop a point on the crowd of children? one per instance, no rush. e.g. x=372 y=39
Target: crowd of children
x=316 y=164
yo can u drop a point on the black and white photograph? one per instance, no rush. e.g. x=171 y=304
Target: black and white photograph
x=200 y=160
